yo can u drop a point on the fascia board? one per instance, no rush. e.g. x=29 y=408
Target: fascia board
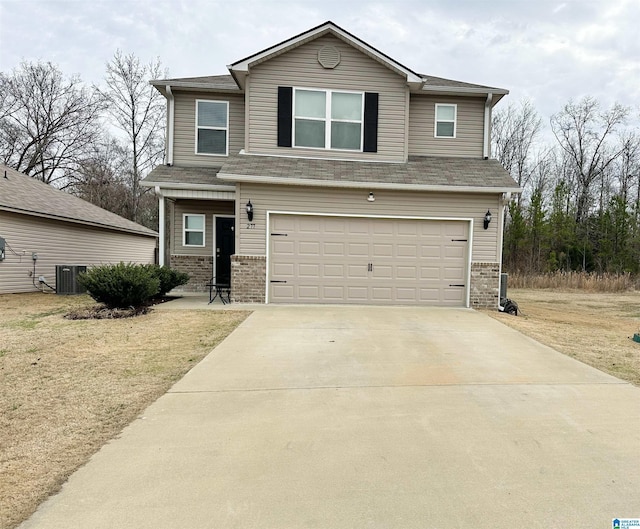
x=365 y=185
x=462 y=90
x=183 y=185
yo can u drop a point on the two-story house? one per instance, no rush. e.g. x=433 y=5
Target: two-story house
x=323 y=171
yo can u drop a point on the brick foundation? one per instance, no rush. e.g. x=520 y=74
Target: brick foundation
x=248 y=276
x=199 y=267
x=485 y=285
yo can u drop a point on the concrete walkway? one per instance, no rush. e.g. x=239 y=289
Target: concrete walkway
x=354 y=417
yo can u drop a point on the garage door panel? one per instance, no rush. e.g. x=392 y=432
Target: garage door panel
x=284 y=247
x=309 y=248
x=309 y=270
x=357 y=271
x=333 y=271
x=383 y=271
x=367 y=260
x=336 y=249
x=382 y=250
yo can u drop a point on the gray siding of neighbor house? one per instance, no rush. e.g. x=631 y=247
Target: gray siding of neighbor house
x=62 y=243
x=208 y=208
x=469 y=127
x=354 y=202
x=300 y=68
x=184 y=143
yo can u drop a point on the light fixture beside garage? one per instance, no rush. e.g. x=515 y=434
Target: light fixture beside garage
x=487 y=219
x=371 y=197
x=249 y=208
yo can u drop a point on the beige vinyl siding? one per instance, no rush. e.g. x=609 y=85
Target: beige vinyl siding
x=208 y=208
x=354 y=202
x=356 y=71
x=62 y=243
x=469 y=127
x=184 y=134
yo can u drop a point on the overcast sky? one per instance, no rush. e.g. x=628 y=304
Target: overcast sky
x=549 y=51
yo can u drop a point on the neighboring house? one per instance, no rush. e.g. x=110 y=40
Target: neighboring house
x=323 y=171
x=42 y=227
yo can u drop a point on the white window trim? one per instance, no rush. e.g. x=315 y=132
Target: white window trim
x=185 y=230
x=454 y=120
x=327 y=120
x=226 y=129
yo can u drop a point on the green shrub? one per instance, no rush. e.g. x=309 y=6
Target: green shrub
x=169 y=278
x=121 y=285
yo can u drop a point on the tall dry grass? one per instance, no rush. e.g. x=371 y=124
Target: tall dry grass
x=588 y=282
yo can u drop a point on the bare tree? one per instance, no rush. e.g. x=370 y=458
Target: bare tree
x=513 y=133
x=138 y=110
x=47 y=122
x=583 y=132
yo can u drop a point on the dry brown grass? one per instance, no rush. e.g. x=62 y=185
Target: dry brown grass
x=595 y=328
x=68 y=386
x=584 y=281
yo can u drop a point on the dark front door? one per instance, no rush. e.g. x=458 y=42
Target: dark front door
x=225 y=248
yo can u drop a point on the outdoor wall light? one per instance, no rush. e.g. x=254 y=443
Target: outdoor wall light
x=487 y=219
x=371 y=197
x=250 y=211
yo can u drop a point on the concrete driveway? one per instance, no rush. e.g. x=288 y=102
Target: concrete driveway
x=349 y=417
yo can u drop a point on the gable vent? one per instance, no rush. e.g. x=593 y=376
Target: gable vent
x=329 y=57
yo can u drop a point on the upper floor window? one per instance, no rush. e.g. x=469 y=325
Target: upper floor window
x=446 y=121
x=212 y=127
x=193 y=230
x=328 y=119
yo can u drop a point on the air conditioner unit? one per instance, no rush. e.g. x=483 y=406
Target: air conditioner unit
x=67 y=279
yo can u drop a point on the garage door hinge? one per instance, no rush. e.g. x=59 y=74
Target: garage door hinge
x=459 y=240
x=279 y=234
x=456 y=285
x=276 y=281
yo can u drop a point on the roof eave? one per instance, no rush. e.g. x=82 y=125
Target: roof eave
x=367 y=185
x=464 y=90
x=185 y=185
x=191 y=87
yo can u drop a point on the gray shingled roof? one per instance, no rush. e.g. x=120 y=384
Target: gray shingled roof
x=22 y=194
x=418 y=172
x=196 y=176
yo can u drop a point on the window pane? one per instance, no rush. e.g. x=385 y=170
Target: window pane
x=445 y=129
x=212 y=141
x=309 y=133
x=310 y=104
x=194 y=222
x=212 y=114
x=345 y=135
x=346 y=106
x=194 y=238
x=446 y=112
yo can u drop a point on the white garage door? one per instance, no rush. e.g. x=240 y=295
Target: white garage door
x=317 y=259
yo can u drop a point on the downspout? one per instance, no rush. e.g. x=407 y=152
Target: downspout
x=170 y=113
x=487 y=125
x=503 y=203
x=161 y=227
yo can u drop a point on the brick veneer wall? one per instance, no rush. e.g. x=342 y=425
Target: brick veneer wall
x=199 y=267
x=485 y=285
x=248 y=276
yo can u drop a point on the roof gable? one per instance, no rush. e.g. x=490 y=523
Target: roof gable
x=240 y=69
x=20 y=193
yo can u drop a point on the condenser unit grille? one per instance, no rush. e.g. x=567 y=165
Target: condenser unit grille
x=67 y=279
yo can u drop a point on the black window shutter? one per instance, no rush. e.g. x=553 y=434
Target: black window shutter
x=370 y=122
x=285 y=110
